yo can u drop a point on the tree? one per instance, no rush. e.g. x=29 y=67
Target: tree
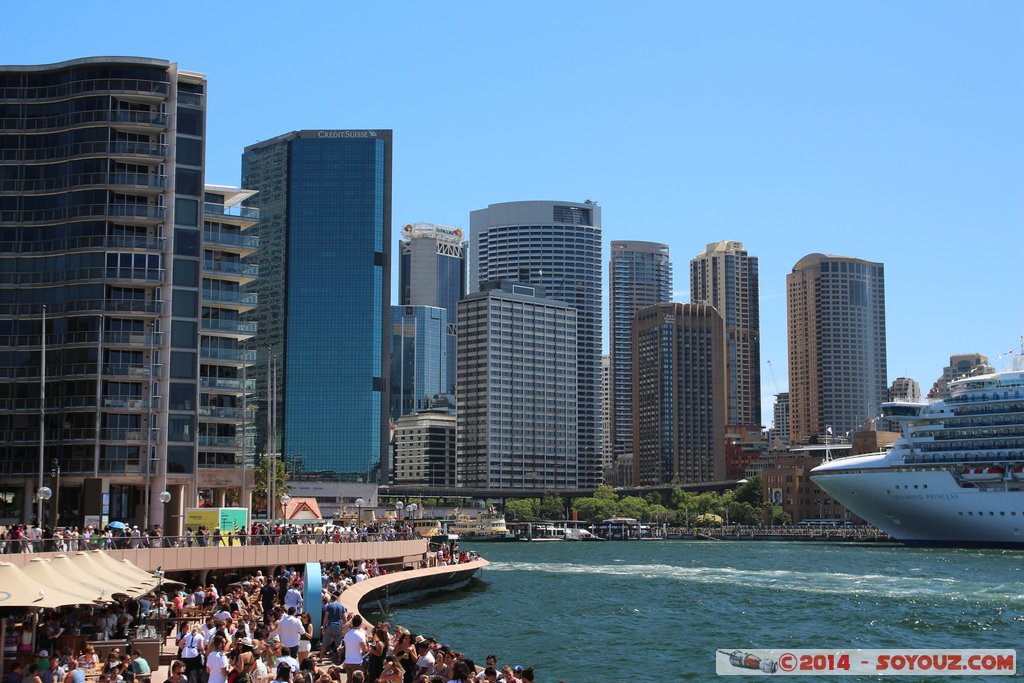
x=781 y=517
x=552 y=506
x=522 y=509
x=593 y=509
x=259 y=490
x=750 y=492
x=660 y=513
x=606 y=492
x=633 y=506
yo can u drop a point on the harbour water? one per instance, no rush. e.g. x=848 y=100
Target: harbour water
x=658 y=610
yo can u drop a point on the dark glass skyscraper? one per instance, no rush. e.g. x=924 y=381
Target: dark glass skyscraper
x=556 y=245
x=432 y=272
x=639 y=275
x=325 y=197
x=419 y=357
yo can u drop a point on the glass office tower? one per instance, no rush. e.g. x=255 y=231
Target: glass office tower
x=419 y=357
x=432 y=272
x=101 y=184
x=325 y=233
x=556 y=245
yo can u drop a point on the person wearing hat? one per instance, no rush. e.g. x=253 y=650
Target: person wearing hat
x=425 y=662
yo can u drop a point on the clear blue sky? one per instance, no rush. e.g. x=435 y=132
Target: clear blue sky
x=890 y=131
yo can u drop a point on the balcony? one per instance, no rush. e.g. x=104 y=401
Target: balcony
x=133 y=213
x=227 y=383
x=232 y=269
x=235 y=355
x=84 y=242
x=137 y=435
x=225 y=413
x=125 y=370
x=114 y=148
x=134 y=86
x=122 y=306
x=134 y=339
x=219 y=441
x=222 y=211
x=231 y=298
x=153 y=275
x=230 y=240
x=85 y=118
x=130 y=403
x=135 y=181
x=240 y=327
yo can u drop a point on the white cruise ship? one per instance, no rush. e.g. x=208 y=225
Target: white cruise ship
x=955 y=477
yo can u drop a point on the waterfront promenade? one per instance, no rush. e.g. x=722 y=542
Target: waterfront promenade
x=209 y=558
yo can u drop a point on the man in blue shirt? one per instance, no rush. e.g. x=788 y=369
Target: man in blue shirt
x=331 y=632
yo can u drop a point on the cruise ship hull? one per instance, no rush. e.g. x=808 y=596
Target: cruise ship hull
x=927 y=506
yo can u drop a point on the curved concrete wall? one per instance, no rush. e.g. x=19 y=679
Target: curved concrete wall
x=412 y=581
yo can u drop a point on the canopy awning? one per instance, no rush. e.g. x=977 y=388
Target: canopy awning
x=18 y=589
x=68 y=585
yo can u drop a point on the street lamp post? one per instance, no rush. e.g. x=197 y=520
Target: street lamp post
x=285 y=499
x=55 y=473
x=398 y=508
x=359 y=507
x=412 y=507
x=42 y=418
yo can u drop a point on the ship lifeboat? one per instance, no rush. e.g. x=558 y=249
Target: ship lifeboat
x=983 y=473
x=1018 y=472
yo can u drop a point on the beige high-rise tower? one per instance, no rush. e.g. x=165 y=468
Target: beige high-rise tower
x=725 y=276
x=837 y=362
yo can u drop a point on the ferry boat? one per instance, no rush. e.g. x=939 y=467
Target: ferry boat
x=956 y=475
x=487 y=526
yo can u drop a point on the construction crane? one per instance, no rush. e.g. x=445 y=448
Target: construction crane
x=774 y=381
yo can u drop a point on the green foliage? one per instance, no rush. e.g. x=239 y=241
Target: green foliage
x=632 y=506
x=661 y=514
x=522 y=510
x=552 y=506
x=606 y=492
x=750 y=492
x=781 y=518
x=259 y=491
x=594 y=509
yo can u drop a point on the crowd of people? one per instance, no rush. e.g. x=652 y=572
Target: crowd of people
x=259 y=630
x=24 y=538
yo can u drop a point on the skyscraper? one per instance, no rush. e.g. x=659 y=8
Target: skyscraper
x=556 y=245
x=607 y=454
x=837 y=362
x=325 y=237
x=780 y=418
x=226 y=424
x=960 y=365
x=517 y=389
x=432 y=272
x=725 y=276
x=101 y=189
x=419 y=357
x=679 y=395
x=639 y=275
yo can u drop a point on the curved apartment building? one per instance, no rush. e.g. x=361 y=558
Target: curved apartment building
x=101 y=208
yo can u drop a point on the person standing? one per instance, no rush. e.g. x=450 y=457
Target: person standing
x=355 y=648
x=192 y=645
x=289 y=630
x=217 y=661
x=331 y=632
